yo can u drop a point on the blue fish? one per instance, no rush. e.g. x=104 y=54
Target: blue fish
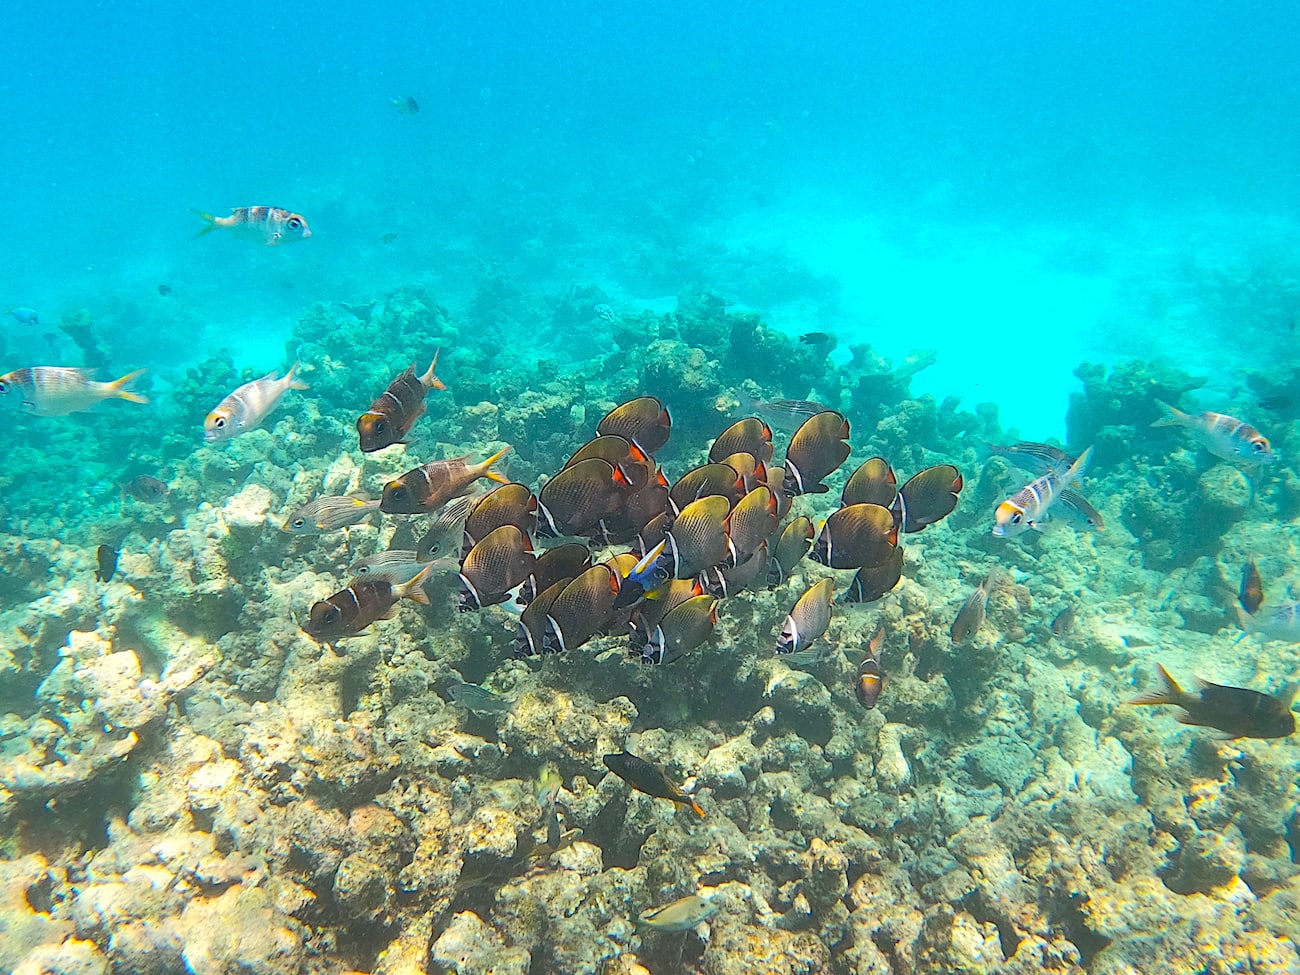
x=26 y=316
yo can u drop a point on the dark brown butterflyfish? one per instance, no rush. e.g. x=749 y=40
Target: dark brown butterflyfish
x=927 y=497
x=705 y=480
x=698 y=538
x=751 y=523
x=648 y=778
x=566 y=561
x=529 y=641
x=494 y=566
x=582 y=609
x=1236 y=711
x=817 y=448
x=875 y=581
x=506 y=504
x=392 y=415
x=644 y=421
x=682 y=629
x=430 y=486
x=791 y=546
x=748 y=436
x=105 y=562
x=809 y=618
x=874 y=482
x=856 y=536
x=577 y=498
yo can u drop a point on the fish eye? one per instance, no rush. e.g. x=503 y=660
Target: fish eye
x=380 y=426
x=219 y=422
x=299 y=522
x=331 y=615
x=1015 y=519
x=4 y=387
x=1259 y=446
x=399 y=493
x=295 y=223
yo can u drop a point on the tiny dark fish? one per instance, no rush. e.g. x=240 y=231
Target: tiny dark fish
x=868 y=683
x=106 y=562
x=1064 y=622
x=478 y=699
x=406 y=105
x=146 y=488
x=648 y=778
x=817 y=338
x=389 y=238
x=165 y=290
x=1251 y=594
x=1236 y=711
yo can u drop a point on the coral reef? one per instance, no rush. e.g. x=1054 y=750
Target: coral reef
x=189 y=783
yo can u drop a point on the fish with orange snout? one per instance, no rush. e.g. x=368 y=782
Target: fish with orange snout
x=250 y=404
x=392 y=415
x=1030 y=506
x=351 y=610
x=271 y=226
x=1224 y=436
x=58 y=391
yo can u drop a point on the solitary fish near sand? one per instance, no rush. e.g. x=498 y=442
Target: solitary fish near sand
x=57 y=391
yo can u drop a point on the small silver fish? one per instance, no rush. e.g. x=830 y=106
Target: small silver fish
x=1279 y=622
x=1223 y=436
x=680 y=915
x=479 y=699
x=396 y=565
x=328 y=514
x=444 y=535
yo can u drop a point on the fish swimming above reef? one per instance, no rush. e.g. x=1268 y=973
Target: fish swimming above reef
x=649 y=778
x=971 y=615
x=351 y=610
x=549 y=784
x=146 y=489
x=809 y=618
x=406 y=105
x=869 y=681
x=105 y=562
x=58 y=390
x=271 y=226
x=1278 y=622
x=430 y=486
x=250 y=404
x=392 y=415
x=328 y=514
x=1251 y=593
x=478 y=699
x=1028 y=508
x=396 y=565
x=25 y=316
x=1224 y=436
x=786 y=413
x=818 y=447
x=1236 y=711
x=1028 y=455
x=683 y=914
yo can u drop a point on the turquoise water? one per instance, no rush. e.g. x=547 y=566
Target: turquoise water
x=1012 y=194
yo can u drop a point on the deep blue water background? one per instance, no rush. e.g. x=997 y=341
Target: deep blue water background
x=1020 y=187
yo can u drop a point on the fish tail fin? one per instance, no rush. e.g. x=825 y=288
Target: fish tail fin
x=293 y=381
x=413 y=588
x=1077 y=469
x=695 y=806
x=208 y=219
x=429 y=380
x=118 y=388
x=490 y=472
x=1172 y=415
x=1167 y=692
